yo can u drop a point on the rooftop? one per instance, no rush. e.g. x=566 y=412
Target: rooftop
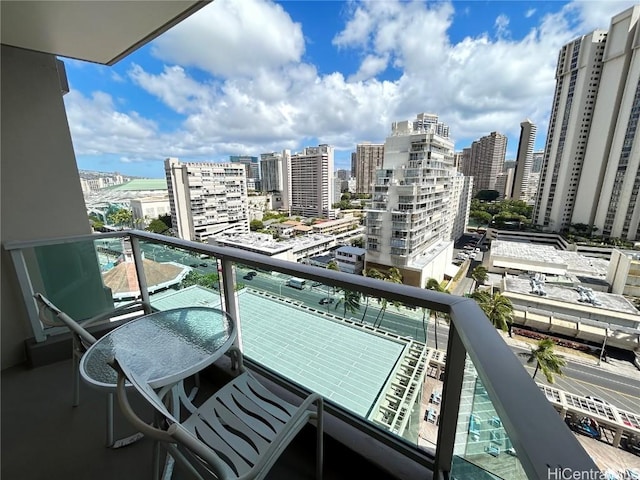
x=609 y=301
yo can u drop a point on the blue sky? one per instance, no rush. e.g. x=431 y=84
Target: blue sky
x=254 y=76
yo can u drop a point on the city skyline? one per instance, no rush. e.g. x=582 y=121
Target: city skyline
x=305 y=73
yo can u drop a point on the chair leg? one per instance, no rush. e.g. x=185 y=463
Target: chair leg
x=76 y=378
x=109 y=420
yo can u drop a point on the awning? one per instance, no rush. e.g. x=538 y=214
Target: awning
x=451 y=270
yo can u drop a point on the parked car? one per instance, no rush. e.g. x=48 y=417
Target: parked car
x=248 y=277
x=327 y=300
x=585 y=425
x=204 y=264
x=252 y=274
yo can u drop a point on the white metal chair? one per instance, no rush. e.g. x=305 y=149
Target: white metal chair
x=52 y=316
x=237 y=433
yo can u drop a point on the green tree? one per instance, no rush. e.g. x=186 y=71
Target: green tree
x=333 y=265
x=157 y=226
x=488 y=195
x=255 y=225
x=121 y=218
x=350 y=302
x=392 y=275
x=433 y=284
x=358 y=242
x=497 y=308
x=209 y=280
x=546 y=360
x=480 y=274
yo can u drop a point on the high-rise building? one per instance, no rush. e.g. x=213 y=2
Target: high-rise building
x=410 y=221
x=368 y=159
x=207 y=198
x=538 y=157
x=310 y=176
x=504 y=182
x=461 y=188
x=271 y=171
x=486 y=161
x=353 y=164
x=342 y=174
x=524 y=160
x=253 y=169
x=591 y=168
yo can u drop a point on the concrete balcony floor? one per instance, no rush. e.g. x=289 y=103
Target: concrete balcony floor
x=44 y=437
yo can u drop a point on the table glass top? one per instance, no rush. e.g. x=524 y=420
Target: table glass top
x=161 y=347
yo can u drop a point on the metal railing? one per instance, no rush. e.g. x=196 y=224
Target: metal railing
x=540 y=438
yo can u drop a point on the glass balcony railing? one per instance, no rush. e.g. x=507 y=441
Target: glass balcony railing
x=449 y=394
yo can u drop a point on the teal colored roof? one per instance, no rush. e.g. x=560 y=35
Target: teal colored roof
x=343 y=363
x=139 y=184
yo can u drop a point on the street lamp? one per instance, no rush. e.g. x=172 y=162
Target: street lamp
x=604 y=344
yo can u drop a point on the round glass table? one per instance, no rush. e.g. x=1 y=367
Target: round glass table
x=162 y=348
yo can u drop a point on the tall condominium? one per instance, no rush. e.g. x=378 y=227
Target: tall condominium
x=410 y=221
x=538 y=157
x=272 y=171
x=591 y=168
x=368 y=159
x=524 y=161
x=207 y=198
x=486 y=160
x=310 y=176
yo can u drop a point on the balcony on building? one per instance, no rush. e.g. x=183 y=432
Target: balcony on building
x=47 y=246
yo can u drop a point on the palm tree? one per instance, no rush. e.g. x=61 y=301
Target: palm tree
x=433 y=284
x=350 y=302
x=497 y=308
x=546 y=360
x=392 y=275
x=480 y=274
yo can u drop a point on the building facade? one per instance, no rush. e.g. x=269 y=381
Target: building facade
x=410 y=212
x=368 y=159
x=524 y=161
x=485 y=160
x=591 y=168
x=207 y=198
x=310 y=176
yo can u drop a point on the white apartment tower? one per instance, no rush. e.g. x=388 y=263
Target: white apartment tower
x=410 y=222
x=310 y=177
x=368 y=159
x=591 y=168
x=207 y=198
x=271 y=171
x=486 y=161
x=524 y=161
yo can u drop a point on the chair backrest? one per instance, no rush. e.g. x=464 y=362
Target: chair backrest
x=52 y=316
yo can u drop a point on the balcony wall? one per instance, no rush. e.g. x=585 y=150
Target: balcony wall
x=40 y=185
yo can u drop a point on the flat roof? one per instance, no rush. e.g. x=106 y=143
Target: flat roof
x=570 y=295
x=344 y=363
x=531 y=252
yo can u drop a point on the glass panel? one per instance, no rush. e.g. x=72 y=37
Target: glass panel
x=366 y=355
x=482 y=447
x=74 y=276
x=179 y=277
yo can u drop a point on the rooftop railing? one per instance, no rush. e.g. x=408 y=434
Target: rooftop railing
x=484 y=411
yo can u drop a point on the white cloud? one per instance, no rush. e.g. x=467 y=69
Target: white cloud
x=267 y=99
x=228 y=38
x=370 y=67
x=502 y=25
x=529 y=13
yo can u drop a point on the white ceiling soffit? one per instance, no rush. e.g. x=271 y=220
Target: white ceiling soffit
x=99 y=31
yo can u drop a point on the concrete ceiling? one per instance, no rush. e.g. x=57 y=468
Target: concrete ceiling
x=97 y=31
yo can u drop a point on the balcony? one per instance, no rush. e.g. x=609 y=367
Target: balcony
x=382 y=429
